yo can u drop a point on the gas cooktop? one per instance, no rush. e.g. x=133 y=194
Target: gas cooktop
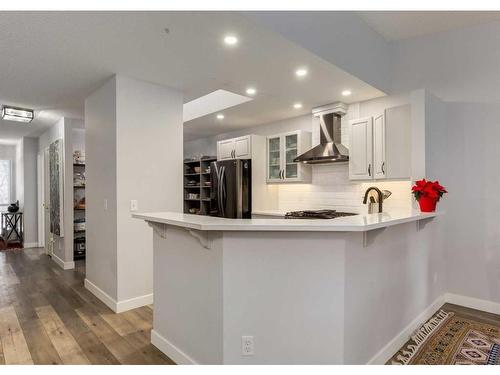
x=316 y=214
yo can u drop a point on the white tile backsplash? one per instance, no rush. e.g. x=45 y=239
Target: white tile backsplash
x=331 y=188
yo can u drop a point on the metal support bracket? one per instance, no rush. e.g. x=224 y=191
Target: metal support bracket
x=203 y=236
x=159 y=228
x=423 y=222
x=369 y=236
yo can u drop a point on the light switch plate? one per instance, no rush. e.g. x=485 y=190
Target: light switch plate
x=134 y=205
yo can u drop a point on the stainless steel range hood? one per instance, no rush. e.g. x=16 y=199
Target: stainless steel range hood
x=330 y=148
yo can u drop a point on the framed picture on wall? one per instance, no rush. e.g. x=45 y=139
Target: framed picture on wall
x=56 y=171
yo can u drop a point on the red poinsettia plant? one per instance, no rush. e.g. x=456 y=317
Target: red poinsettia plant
x=428 y=189
x=428 y=193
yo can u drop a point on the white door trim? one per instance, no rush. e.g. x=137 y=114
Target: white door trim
x=40 y=195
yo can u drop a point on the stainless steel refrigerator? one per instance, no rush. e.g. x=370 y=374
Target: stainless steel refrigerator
x=231 y=191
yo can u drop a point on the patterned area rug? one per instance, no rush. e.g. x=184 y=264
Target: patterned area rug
x=448 y=339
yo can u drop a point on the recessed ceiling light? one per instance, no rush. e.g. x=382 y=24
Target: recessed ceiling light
x=230 y=40
x=251 y=91
x=346 y=92
x=301 y=72
x=297 y=105
x=17 y=114
x=220 y=116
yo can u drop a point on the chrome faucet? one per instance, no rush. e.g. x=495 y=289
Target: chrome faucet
x=381 y=195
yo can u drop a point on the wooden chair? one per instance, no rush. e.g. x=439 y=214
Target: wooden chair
x=3 y=244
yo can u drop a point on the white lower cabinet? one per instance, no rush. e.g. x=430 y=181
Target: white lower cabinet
x=380 y=146
x=282 y=149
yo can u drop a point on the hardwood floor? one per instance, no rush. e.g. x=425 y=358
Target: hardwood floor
x=48 y=317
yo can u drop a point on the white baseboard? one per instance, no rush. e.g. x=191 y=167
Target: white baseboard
x=134 y=303
x=30 y=245
x=118 y=306
x=61 y=263
x=170 y=350
x=101 y=294
x=397 y=342
x=473 y=303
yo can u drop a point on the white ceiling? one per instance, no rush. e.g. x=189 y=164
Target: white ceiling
x=51 y=61
x=403 y=25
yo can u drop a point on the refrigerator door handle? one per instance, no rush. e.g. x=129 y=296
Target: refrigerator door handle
x=218 y=172
x=239 y=189
x=223 y=190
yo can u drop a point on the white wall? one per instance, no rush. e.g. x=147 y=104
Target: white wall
x=460 y=69
x=30 y=195
x=465 y=158
x=78 y=139
x=19 y=176
x=389 y=284
x=149 y=169
x=100 y=159
x=457 y=65
x=8 y=152
x=24 y=173
x=133 y=152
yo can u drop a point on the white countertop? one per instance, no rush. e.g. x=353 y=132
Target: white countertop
x=357 y=223
x=269 y=213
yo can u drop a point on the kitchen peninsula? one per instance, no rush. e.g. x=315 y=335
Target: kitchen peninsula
x=275 y=291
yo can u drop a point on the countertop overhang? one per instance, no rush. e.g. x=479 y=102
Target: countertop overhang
x=357 y=223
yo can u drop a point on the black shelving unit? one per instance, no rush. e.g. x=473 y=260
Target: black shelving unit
x=197 y=185
x=79 y=236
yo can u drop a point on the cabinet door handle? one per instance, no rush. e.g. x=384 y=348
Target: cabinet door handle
x=369 y=170
x=383 y=170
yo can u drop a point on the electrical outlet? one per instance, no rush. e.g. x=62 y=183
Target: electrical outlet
x=247 y=345
x=134 y=205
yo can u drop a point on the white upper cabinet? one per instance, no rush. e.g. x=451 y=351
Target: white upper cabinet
x=281 y=150
x=243 y=147
x=274 y=164
x=379 y=166
x=361 y=149
x=398 y=142
x=225 y=149
x=380 y=146
x=235 y=148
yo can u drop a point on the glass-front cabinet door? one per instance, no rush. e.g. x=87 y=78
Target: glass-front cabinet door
x=291 y=152
x=274 y=159
x=282 y=149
